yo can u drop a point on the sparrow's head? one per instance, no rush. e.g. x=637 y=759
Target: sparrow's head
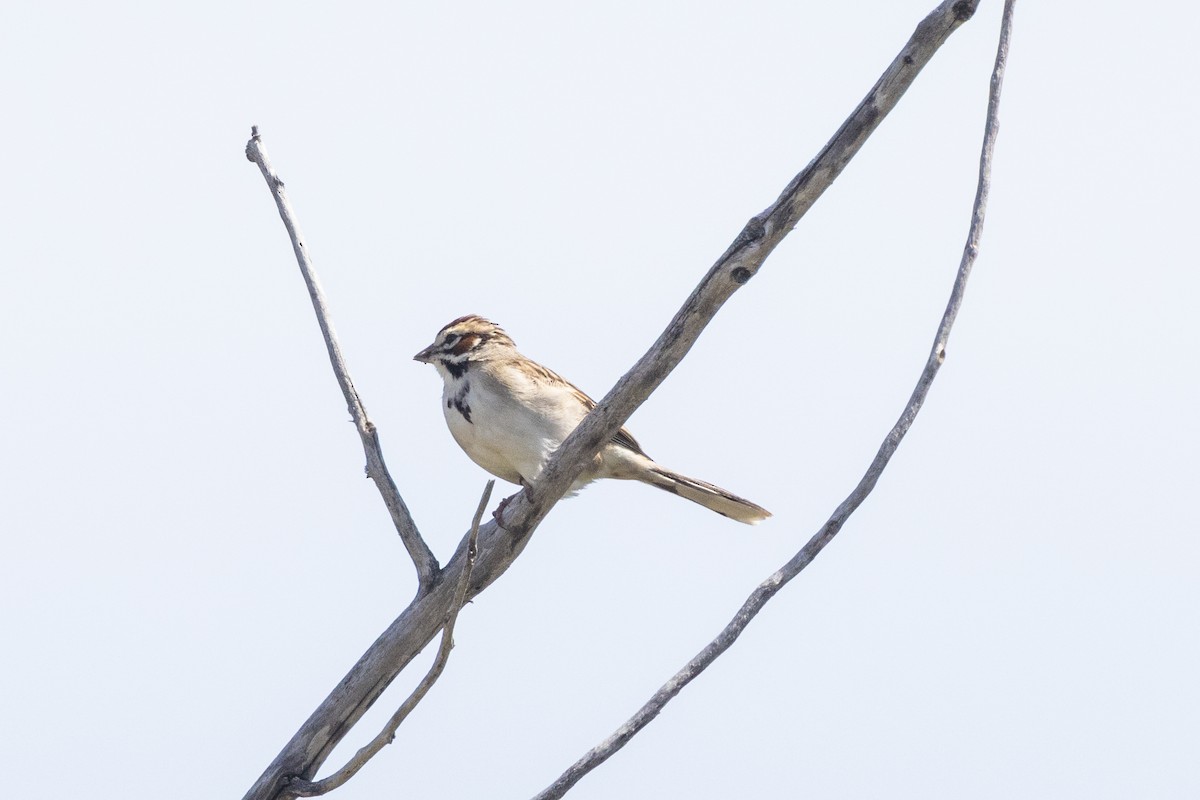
x=466 y=339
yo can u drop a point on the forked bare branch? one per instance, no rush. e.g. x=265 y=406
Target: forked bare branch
x=768 y=588
x=303 y=788
x=416 y=626
x=423 y=559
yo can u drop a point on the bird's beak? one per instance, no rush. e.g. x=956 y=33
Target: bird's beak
x=425 y=356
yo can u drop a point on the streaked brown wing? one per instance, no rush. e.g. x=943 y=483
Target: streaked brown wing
x=622 y=437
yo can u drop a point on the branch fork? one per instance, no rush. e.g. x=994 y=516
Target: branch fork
x=488 y=550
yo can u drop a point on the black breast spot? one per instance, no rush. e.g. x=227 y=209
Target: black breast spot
x=459 y=402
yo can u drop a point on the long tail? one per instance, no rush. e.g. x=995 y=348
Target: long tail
x=711 y=497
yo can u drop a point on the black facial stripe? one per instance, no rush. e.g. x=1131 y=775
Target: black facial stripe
x=456 y=368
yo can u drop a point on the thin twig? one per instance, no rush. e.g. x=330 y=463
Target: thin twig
x=768 y=588
x=303 y=788
x=423 y=559
x=419 y=623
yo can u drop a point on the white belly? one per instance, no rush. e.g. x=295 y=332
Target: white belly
x=506 y=438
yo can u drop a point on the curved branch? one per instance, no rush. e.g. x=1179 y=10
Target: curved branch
x=416 y=626
x=422 y=557
x=768 y=588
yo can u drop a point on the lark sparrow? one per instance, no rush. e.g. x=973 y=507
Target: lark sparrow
x=509 y=414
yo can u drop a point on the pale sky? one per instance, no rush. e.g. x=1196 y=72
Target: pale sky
x=193 y=558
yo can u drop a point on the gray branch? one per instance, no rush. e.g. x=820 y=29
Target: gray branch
x=499 y=547
x=303 y=788
x=768 y=588
x=422 y=557
x=737 y=265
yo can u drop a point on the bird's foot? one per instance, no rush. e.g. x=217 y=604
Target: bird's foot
x=498 y=514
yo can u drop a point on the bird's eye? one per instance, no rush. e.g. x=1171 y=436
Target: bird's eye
x=451 y=338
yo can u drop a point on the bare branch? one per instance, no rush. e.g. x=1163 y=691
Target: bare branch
x=395 y=648
x=740 y=262
x=303 y=788
x=416 y=626
x=768 y=588
x=422 y=557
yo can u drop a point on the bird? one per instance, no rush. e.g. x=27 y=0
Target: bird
x=509 y=414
